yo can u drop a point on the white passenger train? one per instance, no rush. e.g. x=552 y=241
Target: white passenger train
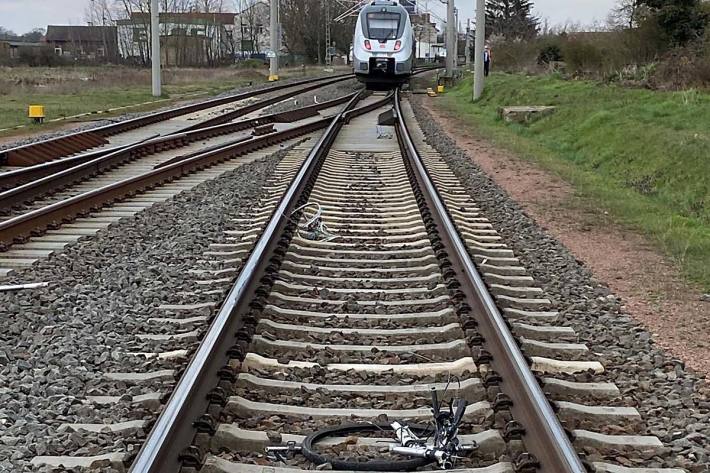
x=383 y=45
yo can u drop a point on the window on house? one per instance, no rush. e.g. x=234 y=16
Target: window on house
x=58 y=51
x=140 y=35
x=100 y=52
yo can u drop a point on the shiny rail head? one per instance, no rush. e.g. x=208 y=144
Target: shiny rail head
x=188 y=400
x=545 y=437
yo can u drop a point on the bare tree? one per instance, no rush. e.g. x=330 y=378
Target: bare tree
x=100 y=12
x=307 y=37
x=626 y=14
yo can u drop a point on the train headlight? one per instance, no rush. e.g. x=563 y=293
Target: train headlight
x=397 y=45
x=368 y=46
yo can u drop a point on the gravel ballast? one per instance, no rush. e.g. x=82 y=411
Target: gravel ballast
x=58 y=340
x=673 y=401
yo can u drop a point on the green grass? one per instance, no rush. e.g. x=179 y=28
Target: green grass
x=68 y=96
x=13 y=110
x=643 y=156
x=70 y=91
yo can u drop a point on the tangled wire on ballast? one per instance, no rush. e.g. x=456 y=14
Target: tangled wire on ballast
x=314 y=228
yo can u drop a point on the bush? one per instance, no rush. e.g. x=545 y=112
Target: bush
x=549 y=54
x=638 y=57
x=40 y=57
x=681 y=69
x=251 y=64
x=582 y=56
x=514 y=56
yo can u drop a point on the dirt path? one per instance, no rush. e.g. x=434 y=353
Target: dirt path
x=651 y=286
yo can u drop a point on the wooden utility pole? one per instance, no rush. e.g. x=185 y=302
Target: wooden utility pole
x=155 y=50
x=478 y=76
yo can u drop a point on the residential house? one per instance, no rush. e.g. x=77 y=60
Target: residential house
x=187 y=39
x=409 y=5
x=426 y=35
x=17 y=48
x=86 y=43
x=5 y=52
x=253 y=30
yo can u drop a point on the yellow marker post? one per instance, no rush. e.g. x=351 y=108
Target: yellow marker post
x=36 y=113
x=440 y=89
x=273 y=78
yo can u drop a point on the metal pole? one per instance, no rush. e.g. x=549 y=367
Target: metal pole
x=450 y=37
x=274 y=32
x=155 y=50
x=328 y=35
x=478 y=76
x=456 y=38
x=468 y=44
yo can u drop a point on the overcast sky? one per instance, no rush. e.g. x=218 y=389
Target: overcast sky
x=23 y=15
x=557 y=12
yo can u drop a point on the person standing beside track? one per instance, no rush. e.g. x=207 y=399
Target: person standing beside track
x=487 y=57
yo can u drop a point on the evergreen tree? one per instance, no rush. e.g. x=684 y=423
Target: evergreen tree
x=682 y=20
x=512 y=19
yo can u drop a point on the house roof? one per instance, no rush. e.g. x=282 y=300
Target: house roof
x=83 y=34
x=192 y=18
x=20 y=44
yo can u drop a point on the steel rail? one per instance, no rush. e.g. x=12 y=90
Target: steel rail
x=174 y=431
x=52 y=148
x=229 y=116
x=35 y=221
x=422 y=70
x=11 y=179
x=58 y=174
x=544 y=436
x=120 y=127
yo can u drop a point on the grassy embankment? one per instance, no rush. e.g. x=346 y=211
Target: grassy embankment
x=641 y=155
x=69 y=91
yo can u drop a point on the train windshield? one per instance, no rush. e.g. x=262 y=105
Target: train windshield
x=383 y=25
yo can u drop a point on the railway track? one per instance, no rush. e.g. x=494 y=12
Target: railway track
x=406 y=290
x=62 y=192
x=111 y=137
x=39 y=203
x=176 y=129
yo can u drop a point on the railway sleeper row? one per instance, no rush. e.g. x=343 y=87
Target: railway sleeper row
x=280 y=357
x=363 y=326
x=171 y=335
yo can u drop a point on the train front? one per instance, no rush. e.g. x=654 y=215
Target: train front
x=383 y=45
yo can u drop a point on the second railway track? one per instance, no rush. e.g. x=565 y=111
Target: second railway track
x=27 y=208
x=125 y=132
